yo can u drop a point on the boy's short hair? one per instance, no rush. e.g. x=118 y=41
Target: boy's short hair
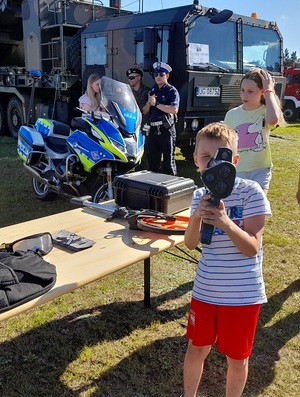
x=218 y=132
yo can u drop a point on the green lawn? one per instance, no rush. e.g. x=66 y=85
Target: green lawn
x=100 y=340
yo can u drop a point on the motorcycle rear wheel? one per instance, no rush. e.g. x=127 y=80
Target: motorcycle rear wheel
x=42 y=192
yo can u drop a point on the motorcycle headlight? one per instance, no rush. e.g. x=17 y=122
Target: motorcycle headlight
x=118 y=146
x=195 y=125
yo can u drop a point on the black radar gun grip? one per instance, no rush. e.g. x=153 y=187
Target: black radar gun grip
x=207 y=229
x=218 y=177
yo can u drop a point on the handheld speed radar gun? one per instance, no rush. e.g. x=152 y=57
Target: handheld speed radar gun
x=218 y=177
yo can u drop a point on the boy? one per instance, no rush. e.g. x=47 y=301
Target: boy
x=228 y=288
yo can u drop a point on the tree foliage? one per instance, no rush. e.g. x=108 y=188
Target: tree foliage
x=290 y=60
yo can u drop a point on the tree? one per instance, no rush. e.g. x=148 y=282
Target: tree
x=294 y=56
x=290 y=60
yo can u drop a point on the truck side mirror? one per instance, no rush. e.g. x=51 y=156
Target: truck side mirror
x=219 y=16
x=151 y=39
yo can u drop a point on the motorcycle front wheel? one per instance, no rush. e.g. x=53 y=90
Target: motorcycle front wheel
x=42 y=192
x=101 y=194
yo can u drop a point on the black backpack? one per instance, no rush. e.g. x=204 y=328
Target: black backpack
x=24 y=275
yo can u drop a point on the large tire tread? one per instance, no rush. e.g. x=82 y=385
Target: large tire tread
x=3 y=119
x=75 y=52
x=15 y=117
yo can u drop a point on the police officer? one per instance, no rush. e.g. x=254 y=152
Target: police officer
x=162 y=107
x=140 y=91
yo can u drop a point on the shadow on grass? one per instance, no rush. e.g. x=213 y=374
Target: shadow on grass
x=271 y=338
x=32 y=366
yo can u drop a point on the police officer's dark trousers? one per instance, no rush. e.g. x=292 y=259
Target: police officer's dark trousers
x=161 y=143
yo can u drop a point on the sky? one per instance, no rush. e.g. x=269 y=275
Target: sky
x=287 y=18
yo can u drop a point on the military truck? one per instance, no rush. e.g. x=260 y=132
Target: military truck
x=36 y=35
x=209 y=51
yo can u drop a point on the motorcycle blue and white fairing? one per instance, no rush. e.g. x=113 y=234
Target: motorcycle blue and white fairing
x=85 y=160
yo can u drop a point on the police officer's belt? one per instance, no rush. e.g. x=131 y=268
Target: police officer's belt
x=156 y=123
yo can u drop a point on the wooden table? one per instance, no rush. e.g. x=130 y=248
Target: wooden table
x=116 y=247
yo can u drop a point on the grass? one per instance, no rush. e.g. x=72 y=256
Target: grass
x=100 y=340
x=17 y=202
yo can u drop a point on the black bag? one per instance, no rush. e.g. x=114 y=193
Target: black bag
x=24 y=275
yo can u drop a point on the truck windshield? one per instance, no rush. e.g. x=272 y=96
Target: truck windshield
x=214 y=47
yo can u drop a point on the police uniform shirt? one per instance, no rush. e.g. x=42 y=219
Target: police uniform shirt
x=167 y=95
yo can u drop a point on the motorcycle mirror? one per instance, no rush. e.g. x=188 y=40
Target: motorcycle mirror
x=81 y=110
x=97 y=114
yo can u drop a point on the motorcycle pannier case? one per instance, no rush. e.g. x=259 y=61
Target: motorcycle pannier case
x=29 y=140
x=151 y=190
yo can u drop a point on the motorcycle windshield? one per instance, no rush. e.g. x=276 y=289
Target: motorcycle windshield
x=119 y=100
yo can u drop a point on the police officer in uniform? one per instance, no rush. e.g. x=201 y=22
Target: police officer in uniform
x=162 y=107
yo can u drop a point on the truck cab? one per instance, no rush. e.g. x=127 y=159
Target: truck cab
x=38 y=35
x=208 y=50
x=292 y=94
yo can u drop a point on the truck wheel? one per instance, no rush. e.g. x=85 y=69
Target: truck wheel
x=42 y=192
x=14 y=116
x=289 y=112
x=75 y=52
x=2 y=119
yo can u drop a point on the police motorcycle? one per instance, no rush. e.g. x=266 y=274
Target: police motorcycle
x=84 y=161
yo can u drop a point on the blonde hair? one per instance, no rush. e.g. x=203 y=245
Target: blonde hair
x=218 y=132
x=94 y=97
x=254 y=75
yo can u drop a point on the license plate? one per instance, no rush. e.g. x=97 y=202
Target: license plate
x=208 y=91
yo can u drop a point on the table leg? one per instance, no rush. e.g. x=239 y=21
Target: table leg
x=147 y=282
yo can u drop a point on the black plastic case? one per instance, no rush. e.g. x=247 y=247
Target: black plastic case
x=151 y=190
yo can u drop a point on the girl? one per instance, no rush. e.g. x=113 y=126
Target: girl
x=259 y=113
x=91 y=100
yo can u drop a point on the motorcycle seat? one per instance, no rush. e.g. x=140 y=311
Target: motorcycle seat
x=58 y=145
x=60 y=128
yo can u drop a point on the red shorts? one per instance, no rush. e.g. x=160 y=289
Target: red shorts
x=231 y=328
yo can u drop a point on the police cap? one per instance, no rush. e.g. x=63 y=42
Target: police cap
x=162 y=67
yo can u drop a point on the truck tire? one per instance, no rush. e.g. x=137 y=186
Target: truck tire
x=14 y=116
x=75 y=52
x=289 y=111
x=3 y=124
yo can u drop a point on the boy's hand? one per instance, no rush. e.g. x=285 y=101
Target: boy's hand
x=215 y=216
x=203 y=207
